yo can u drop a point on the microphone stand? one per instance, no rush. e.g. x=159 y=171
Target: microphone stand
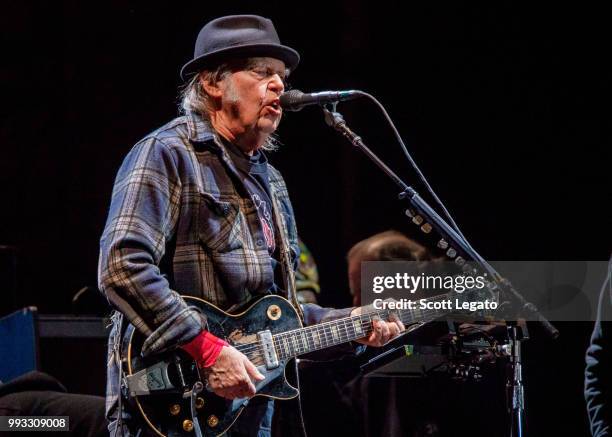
x=514 y=382
x=425 y=214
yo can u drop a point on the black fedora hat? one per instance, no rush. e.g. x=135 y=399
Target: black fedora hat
x=238 y=36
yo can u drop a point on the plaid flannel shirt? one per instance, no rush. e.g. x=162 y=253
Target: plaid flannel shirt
x=177 y=224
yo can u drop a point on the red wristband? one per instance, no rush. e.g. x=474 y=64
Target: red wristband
x=205 y=348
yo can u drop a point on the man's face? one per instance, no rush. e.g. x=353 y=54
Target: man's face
x=251 y=96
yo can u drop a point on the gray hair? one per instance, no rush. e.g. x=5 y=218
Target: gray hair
x=194 y=98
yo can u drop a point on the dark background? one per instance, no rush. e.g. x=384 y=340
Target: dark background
x=505 y=107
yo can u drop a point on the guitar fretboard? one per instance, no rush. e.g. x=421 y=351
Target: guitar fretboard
x=297 y=342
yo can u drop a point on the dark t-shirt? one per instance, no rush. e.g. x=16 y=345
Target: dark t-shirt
x=255 y=177
x=254 y=174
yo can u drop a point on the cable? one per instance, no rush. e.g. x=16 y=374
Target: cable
x=117 y=356
x=414 y=165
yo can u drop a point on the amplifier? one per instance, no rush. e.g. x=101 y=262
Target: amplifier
x=70 y=348
x=73 y=349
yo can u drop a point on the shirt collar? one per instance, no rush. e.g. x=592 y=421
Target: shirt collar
x=198 y=129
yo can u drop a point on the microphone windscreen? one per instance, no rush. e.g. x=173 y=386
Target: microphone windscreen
x=290 y=98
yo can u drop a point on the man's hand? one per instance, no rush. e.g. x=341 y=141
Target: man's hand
x=232 y=374
x=382 y=332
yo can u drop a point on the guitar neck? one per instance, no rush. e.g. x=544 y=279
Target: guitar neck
x=301 y=341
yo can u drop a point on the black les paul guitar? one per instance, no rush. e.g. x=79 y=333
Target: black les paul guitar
x=169 y=389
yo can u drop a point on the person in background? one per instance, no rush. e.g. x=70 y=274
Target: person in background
x=307 y=276
x=384 y=246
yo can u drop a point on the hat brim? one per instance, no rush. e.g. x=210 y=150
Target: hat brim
x=290 y=57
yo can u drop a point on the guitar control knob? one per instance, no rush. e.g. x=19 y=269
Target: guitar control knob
x=187 y=425
x=212 y=421
x=175 y=409
x=199 y=403
x=274 y=312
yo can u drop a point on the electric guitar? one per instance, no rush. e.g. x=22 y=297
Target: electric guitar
x=170 y=391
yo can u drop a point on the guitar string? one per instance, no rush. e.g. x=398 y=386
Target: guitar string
x=253 y=350
x=382 y=314
x=294 y=346
x=297 y=347
x=405 y=316
x=328 y=340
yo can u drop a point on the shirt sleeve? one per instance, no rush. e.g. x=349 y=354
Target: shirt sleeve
x=142 y=219
x=598 y=379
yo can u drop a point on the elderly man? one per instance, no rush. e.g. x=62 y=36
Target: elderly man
x=197 y=210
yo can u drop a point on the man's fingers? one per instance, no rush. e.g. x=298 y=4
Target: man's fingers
x=250 y=390
x=252 y=371
x=400 y=325
x=397 y=321
x=376 y=329
x=247 y=389
x=394 y=330
x=225 y=393
x=385 y=333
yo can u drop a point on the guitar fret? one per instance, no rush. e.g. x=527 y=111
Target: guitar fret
x=328 y=339
x=303 y=338
x=349 y=334
x=295 y=345
x=346 y=335
x=306 y=340
x=334 y=332
x=316 y=339
x=357 y=326
x=324 y=338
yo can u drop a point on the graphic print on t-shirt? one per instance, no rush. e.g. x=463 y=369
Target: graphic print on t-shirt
x=263 y=211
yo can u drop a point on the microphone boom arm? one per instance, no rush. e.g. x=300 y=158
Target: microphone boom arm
x=335 y=120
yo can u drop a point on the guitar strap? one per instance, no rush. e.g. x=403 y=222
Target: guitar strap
x=285 y=255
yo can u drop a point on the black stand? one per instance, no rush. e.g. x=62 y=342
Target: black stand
x=514 y=386
x=499 y=284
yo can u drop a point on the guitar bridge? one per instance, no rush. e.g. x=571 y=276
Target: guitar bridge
x=268 y=349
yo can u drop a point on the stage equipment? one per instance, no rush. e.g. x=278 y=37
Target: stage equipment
x=459 y=250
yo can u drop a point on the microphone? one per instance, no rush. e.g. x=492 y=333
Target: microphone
x=295 y=100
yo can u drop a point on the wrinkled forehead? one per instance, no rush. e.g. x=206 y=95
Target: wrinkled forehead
x=271 y=65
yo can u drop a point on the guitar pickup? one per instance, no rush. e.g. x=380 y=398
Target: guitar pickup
x=269 y=351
